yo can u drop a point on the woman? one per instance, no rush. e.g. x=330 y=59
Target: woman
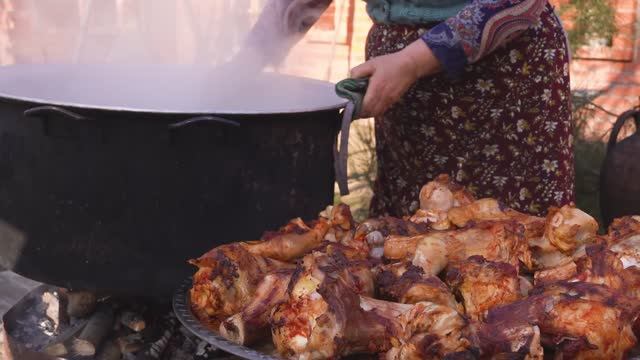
x=477 y=89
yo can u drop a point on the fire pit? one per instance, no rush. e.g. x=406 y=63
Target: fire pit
x=53 y=323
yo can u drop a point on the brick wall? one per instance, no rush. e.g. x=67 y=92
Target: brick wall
x=612 y=71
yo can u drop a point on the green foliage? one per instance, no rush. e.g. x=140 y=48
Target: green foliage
x=592 y=19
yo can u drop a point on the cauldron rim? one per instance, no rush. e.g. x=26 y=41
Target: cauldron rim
x=326 y=98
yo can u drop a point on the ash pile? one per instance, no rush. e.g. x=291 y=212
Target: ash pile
x=53 y=323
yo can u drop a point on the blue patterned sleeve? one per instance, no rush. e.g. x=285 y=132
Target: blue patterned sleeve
x=478 y=29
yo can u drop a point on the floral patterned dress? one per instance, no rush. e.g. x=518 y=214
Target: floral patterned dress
x=497 y=119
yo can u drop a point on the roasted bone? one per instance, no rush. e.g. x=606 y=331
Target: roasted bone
x=491 y=210
x=252 y=322
x=436 y=199
x=624 y=238
x=226 y=281
x=412 y=286
x=484 y=285
x=335 y=321
x=291 y=242
x=331 y=259
x=496 y=241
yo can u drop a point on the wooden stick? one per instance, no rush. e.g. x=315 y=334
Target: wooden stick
x=81 y=303
x=97 y=328
x=130 y=344
x=132 y=320
x=56 y=303
x=56 y=350
x=155 y=350
x=205 y=350
x=59 y=345
x=109 y=351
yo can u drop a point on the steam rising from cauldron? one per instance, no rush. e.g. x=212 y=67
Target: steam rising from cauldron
x=198 y=33
x=149 y=31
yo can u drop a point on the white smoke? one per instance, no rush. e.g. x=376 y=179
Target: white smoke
x=213 y=38
x=202 y=32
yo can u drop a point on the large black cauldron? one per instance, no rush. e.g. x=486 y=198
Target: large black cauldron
x=112 y=177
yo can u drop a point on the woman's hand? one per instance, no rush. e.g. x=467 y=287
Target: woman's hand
x=390 y=76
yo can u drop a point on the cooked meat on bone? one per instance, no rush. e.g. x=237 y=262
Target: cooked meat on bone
x=373 y=232
x=252 y=323
x=342 y=223
x=509 y=332
x=226 y=280
x=599 y=265
x=483 y=285
x=431 y=331
x=412 y=286
x=335 y=321
x=579 y=320
x=490 y=209
x=291 y=242
x=228 y=276
x=331 y=259
x=567 y=231
x=327 y=321
x=460 y=279
x=437 y=198
x=494 y=240
x=569 y=228
x=388 y=226
x=624 y=239
x=588 y=321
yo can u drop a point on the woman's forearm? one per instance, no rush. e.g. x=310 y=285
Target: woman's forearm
x=391 y=75
x=424 y=61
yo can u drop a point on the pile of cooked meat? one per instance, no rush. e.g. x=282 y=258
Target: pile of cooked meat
x=462 y=278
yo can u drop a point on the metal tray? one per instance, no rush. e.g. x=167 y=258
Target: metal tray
x=182 y=309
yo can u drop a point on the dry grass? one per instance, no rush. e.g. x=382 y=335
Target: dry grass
x=361 y=167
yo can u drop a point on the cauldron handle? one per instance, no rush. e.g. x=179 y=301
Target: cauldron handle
x=205 y=118
x=341 y=155
x=613 y=138
x=42 y=111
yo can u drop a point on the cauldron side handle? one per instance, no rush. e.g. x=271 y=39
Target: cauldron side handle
x=204 y=118
x=42 y=111
x=613 y=140
x=45 y=111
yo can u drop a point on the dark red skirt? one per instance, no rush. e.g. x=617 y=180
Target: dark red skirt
x=504 y=129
